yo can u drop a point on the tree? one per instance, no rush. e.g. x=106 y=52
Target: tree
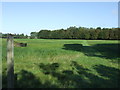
x=34 y=35
x=44 y=34
x=111 y=34
x=93 y=34
x=105 y=34
x=87 y=34
x=99 y=28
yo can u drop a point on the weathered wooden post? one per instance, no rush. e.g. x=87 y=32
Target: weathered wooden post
x=10 y=61
x=0 y=61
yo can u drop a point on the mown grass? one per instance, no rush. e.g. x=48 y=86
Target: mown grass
x=64 y=63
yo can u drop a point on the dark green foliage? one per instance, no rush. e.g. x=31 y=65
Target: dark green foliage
x=16 y=36
x=44 y=34
x=73 y=33
x=80 y=33
x=33 y=35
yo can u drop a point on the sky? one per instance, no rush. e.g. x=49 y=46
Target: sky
x=26 y=17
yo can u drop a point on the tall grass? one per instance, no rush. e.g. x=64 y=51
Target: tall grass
x=64 y=63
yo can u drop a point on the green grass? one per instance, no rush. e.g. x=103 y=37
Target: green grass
x=64 y=63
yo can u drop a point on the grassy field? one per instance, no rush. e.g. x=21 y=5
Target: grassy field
x=64 y=63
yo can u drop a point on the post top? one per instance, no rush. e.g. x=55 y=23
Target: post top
x=10 y=36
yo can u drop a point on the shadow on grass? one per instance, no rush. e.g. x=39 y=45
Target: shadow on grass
x=27 y=80
x=111 y=73
x=108 y=51
x=95 y=81
x=78 y=77
x=82 y=78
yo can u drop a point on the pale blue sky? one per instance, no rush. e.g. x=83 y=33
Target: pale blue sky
x=25 y=17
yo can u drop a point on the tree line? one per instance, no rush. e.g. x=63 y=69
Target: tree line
x=80 y=33
x=74 y=33
x=16 y=36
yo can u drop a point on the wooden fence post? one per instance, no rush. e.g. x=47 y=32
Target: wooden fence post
x=10 y=61
x=0 y=61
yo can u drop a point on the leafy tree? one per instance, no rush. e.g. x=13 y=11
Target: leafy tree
x=34 y=35
x=87 y=34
